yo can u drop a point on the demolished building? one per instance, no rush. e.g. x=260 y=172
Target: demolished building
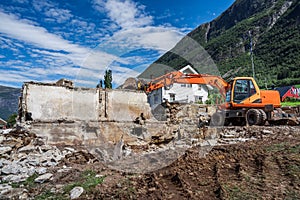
x=110 y=123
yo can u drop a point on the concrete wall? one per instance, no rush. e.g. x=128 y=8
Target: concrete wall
x=46 y=102
x=49 y=102
x=127 y=105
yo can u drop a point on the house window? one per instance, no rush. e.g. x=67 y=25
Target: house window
x=172 y=97
x=198 y=99
x=199 y=87
x=189 y=85
x=183 y=85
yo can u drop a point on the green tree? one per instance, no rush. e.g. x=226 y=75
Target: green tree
x=11 y=120
x=108 y=79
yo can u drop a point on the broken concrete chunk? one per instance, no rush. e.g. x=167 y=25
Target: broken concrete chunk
x=12 y=168
x=76 y=192
x=15 y=178
x=4 y=150
x=28 y=148
x=41 y=170
x=43 y=178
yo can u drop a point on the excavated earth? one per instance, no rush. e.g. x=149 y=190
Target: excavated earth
x=267 y=166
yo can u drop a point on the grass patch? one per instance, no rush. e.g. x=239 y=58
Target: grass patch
x=88 y=181
x=29 y=182
x=51 y=196
x=276 y=147
x=236 y=193
x=294 y=149
x=297 y=103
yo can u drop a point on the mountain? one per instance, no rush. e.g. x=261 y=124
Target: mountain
x=272 y=25
x=9 y=98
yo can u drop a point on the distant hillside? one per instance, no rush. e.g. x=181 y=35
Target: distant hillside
x=9 y=98
x=275 y=30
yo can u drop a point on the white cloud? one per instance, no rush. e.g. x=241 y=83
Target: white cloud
x=56 y=55
x=60 y=15
x=35 y=35
x=127 y=14
x=136 y=29
x=127 y=28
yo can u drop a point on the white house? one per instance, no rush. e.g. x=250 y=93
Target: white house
x=185 y=93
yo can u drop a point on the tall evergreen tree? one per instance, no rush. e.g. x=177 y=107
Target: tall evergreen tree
x=108 y=79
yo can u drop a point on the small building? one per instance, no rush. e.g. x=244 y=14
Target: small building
x=183 y=93
x=2 y=123
x=288 y=91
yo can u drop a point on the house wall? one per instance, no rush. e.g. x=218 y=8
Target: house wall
x=51 y=102
x=293 y=92
x=85 y=115
x=186 y=92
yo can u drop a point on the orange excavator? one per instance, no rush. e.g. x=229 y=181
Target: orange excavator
x=244 y=101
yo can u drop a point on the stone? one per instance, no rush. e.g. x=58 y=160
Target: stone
x=6 y=131
x=28 y=148
x=267 y=132
x=41 y=170
x=43 y=178
x=4 y=188
x=4 y=162
x=4 y=150
x=12 y=168
x=76 y=192
x=69 y=149
x=15 y=178
x=14 y=193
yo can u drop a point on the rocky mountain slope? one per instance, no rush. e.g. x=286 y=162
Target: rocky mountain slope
x=274 y=28
x=8 y=101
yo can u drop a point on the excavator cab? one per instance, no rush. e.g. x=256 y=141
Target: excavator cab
x=244 y=88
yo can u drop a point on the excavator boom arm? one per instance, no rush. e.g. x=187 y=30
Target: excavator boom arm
x=179 y=77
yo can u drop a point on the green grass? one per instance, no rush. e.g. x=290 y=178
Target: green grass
x=51 y=196
x=29 y=182
x=88 y=181
x=276 y=147
x=290 y=103
x=236 y=193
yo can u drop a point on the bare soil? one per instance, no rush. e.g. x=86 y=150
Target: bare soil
x=265 y=168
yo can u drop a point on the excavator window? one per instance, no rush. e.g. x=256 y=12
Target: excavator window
x=243 y=89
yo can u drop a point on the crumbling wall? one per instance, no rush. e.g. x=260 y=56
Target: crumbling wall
x=48 y=102
x=63 y=114
x=51 y=102
x=127 y=105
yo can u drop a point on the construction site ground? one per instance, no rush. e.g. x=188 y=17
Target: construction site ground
x=267 y=167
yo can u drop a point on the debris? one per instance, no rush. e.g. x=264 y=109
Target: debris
x=43 y=178
x=76 y=192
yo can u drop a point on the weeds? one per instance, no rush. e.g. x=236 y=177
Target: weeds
x=88 y=181
x=276 y=147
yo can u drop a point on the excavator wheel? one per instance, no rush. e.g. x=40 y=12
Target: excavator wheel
x=254 y=117
x=263 y=117
x=217 y=119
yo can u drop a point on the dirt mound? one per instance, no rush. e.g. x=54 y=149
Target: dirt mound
x=267 y=169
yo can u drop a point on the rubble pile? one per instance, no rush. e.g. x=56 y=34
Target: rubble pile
x=23 y=155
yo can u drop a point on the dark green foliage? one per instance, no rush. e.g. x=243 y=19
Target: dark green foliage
x=108 y=79
x=12 y=120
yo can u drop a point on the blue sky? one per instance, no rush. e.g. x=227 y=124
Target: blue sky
x=45 y=40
